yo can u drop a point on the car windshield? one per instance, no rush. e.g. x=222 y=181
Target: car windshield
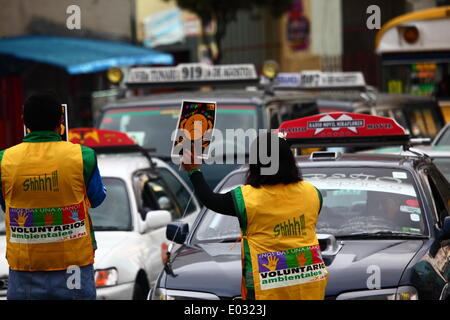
x=114 y=213
x=444 y=140
x=151 y=127
x=443 y=165
x=355 y=201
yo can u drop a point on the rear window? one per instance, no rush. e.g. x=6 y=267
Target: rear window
x=355 y=200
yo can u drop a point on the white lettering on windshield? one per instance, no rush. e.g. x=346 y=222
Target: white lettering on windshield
x=355 y=176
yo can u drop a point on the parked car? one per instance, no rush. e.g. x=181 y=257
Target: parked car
x=130 y=225
x=384 y=227
x=420 y=116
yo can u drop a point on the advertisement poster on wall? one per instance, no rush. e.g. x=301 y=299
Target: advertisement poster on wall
x=298 y=27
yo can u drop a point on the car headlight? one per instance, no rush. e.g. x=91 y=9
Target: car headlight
x=400 y=293
x=165 y=294
x=106 y=277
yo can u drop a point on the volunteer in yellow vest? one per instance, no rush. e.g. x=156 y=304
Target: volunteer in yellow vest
x=281 y=258
x=47 y=186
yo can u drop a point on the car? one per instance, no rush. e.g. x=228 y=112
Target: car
x=144 y=194
x=383 y=230
x=443 y=137
x=420 y=116
x=151 y=119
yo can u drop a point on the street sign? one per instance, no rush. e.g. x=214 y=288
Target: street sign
x=319 y=80
x=343 y=129
x=191 y=72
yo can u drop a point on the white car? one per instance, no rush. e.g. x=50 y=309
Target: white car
x=130 y=224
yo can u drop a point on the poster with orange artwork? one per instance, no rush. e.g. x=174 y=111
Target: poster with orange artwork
x=64 y=129
x=195 y=115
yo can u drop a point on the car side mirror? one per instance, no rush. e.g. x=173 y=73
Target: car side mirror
x=156 y=219
x=177 y=232
x=445 y=230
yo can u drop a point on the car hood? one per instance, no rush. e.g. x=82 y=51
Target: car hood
x=216 y=267
x=358 y=260
x=108 y=242
x=213 y=268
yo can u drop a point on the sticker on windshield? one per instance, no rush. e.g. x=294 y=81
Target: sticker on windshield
x=411 y=230
x=345 y=192
x=415 y=217
x=412 y=203
x=399 y=175
x=410 y=209
x=138 y=136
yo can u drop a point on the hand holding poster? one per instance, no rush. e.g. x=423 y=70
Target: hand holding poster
x=194 y=128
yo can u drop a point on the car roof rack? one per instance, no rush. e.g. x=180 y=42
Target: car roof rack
x=315 y=80
x=108 y=142
x=193 y=75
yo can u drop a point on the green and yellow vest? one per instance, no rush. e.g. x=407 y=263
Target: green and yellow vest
x=46 y=218
x=281 y=257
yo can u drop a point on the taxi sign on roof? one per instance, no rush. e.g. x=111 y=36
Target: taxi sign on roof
x=319 y=80
x=191 y=72
x=97 y=138
x=341 y=128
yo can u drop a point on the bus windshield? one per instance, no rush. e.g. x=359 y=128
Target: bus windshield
x=151 y=127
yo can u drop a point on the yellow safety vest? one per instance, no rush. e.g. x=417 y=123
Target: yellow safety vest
x=46 y=217
x=281 y=256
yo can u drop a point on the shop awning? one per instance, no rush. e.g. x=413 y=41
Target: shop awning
x=78 y=55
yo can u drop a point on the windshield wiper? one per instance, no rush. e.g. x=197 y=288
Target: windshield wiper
x=231 y=239
x=219 y=240
x=382 y=234
x=107 y=228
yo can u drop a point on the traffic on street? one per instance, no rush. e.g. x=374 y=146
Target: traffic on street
x=240 y=151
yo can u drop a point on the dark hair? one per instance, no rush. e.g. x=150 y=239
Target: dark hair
x=42 y=111
x=287 y=173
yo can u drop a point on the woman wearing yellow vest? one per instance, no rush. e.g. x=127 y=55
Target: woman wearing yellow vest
x=47 y=186
x=281 y=258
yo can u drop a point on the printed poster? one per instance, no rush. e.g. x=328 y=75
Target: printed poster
x=195 y=115
x=64 y=124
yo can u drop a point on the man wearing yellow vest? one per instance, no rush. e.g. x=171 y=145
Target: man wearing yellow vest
x=47 y=186
x=281 y=258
